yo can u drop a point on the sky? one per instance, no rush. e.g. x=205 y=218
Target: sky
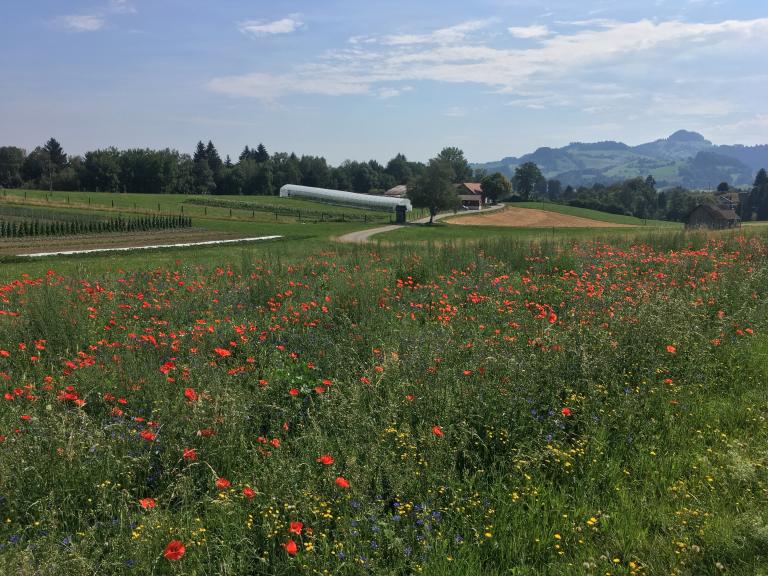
x=363 y=80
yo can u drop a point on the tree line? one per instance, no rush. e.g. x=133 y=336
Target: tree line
x=142 y=170
x=257 y=172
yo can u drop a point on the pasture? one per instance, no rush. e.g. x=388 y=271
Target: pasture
x=522 y=404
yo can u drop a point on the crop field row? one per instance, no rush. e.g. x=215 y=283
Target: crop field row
x=564 y=407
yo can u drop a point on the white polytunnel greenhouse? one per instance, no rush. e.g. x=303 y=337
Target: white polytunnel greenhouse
x=353 y=199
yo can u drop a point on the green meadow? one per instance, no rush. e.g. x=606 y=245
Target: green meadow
x=451 y=400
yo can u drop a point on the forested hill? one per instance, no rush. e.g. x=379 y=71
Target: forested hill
x=683 y=159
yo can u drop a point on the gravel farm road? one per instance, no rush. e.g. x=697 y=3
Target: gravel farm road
x=362 y=236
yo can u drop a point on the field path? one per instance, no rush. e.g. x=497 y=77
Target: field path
x=363 y=236
x=151 y=246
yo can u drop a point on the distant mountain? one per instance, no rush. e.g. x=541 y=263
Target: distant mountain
x=683 y=159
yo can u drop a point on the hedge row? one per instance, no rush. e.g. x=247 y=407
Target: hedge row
x=26 y=228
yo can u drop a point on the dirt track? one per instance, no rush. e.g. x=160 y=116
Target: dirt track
x=531 y=218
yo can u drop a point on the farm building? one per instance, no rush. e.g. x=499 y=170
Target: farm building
x=341 y=198
x=712 y=217
x=399 y=191
x=471 y=195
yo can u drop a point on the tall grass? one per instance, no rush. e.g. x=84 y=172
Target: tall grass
x=558 y=407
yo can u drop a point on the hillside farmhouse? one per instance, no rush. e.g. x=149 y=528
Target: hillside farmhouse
x=712 y=217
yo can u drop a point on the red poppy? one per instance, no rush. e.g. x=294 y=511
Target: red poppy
x=190 y=394
x=671 y=349
x=326 y=459
x=223 y=352
x=222 y=483
x=296 y=528
x=437 y=431
x=290 y=547
x=174 y=550
x=248 y=492
x=552 y=318
x=147 y=503
x=565 y=411
x=293 y=391
x=147 y=435
x=342 y=482
x=190 y=454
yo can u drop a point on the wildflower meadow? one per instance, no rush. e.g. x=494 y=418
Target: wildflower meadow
x=582 y=406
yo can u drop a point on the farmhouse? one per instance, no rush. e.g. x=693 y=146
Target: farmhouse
x=712 y=217
x=471 y=195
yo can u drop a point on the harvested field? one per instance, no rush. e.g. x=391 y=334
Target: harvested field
x=530 y=218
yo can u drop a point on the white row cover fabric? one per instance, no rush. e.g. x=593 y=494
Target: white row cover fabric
x=369 y=201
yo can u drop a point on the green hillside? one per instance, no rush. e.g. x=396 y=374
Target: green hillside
x=684 y=159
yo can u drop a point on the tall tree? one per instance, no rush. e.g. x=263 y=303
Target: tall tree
x=203 y=178
x=527 y=177
x=496 y=186
x=201 y=152
x=462 y=172
x=399 y=168
x=261 y=155
x=434 y=189
x=55 y=153
x=758 y=197
x=101 y=170
x=554 y=190
x=214 y=160
x=11 y=161
x=245 y=154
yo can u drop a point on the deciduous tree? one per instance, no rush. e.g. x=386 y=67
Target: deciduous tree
x=434 y=189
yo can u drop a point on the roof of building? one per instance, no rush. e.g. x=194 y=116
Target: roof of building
x=717 y=213
x=473 y=187
x=398 y=191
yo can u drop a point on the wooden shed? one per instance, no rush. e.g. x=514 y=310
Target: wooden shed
x=712 y=217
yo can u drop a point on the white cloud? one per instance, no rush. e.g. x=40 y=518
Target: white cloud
x=749 y=131
x=386 y=93
x=460 y=54
x=450 y=35
x=82 y=22
x=271 y=87
x=258 y=28
x=534 y=31
x=688 y=106
x=122 y=6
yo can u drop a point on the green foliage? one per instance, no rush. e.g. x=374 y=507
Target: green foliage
x=454 y=157
x=434 y=189
x=527 y=179
x=437 y=379
x=496 y=186
x=11 y=162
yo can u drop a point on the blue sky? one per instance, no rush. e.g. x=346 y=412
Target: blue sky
x=359 y=80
